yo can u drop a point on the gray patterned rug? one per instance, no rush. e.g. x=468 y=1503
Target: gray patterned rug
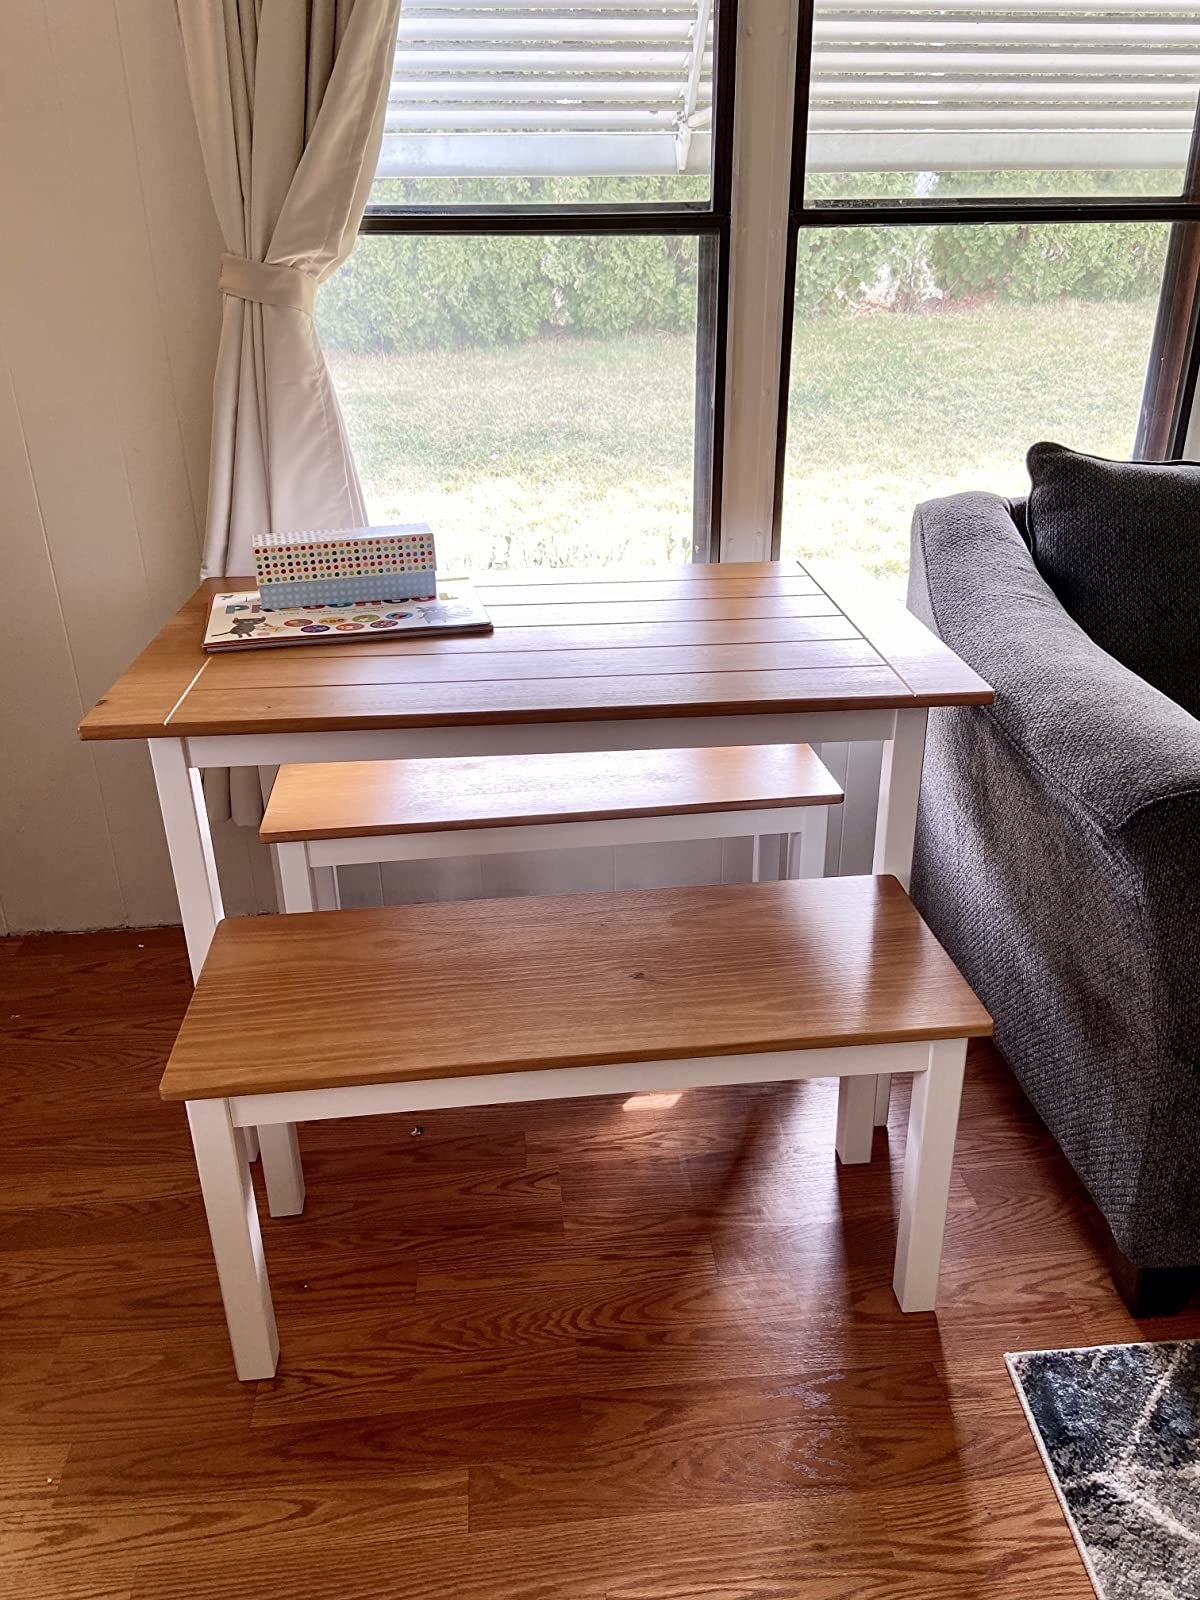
x=1119 y=1430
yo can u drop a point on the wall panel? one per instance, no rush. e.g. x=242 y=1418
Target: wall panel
x=108 y=324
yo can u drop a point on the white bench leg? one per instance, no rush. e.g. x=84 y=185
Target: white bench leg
x=297 y=892
x=325 y=888
x=282 y=1172
x=803 y=859
x=236 y=1239
x=768 y=861
x=932 y=1125
x=809 y=860
x=855 y=1119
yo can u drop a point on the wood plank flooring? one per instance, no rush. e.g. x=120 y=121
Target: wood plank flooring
x=612 y=1350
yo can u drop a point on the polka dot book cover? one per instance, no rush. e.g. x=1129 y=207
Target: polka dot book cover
x=240 y=621
x=334 y=566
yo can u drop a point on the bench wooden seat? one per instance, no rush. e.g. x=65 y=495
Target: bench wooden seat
x=321 y=816
x=484 y=1002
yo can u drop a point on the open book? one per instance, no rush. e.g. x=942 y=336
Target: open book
x=238 y=621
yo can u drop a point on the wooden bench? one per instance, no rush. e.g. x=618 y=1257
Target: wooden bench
x=324 y=815
x=356 y=1013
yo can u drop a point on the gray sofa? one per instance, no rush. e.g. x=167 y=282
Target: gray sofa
x=1058 y=860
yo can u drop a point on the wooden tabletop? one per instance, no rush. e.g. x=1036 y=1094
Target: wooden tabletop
x=437 y=991
x=736 y=638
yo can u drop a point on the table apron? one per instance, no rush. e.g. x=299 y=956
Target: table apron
x=589 y=833
x=539 y=738
x=637 y=1077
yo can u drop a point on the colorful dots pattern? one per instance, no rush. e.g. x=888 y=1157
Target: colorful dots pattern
x=336 y=566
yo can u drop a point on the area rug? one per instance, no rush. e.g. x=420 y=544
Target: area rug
x=1118 y=1427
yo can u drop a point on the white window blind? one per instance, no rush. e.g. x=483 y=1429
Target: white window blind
x=612 y=87
x=1016 y=84
x=510 y=88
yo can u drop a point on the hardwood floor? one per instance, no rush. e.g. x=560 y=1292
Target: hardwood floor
x=639 y=1349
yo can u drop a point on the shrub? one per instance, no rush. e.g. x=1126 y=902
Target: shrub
x=427 y=291
x=1092 y=261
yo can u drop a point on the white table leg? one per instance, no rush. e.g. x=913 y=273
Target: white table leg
x=883 y=1099
x=189 y=843
x=266 y=780
x=236 y=1239
x=928 y=1158
x=855 y=1129
x=899 y=792
x=277 y=1146
x=896 y=825
x=858 y=769
x=321 y=894
x=190 y=846
x=859 y=810
x=282 y=1172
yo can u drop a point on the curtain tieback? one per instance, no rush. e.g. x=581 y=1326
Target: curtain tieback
x=269 y=283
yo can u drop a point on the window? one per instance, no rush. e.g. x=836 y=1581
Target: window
x=528 y=342
x=569 y=336
x=993 y=238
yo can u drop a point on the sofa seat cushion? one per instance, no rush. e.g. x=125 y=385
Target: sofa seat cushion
x=1119 y=543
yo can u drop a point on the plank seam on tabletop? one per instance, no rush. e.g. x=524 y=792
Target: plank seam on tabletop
x=554 y=677
x=191 y=685
x=870 y=643
x=955 y=698
x=390 y=649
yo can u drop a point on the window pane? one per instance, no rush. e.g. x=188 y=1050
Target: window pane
x=549 y=102
x=1026 y=97
x=926 y=361
x=532 y=398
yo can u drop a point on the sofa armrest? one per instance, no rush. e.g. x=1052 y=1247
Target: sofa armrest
x=1100 y=735
x=1058 y=860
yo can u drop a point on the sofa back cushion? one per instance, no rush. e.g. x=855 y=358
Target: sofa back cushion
x=1119 y=543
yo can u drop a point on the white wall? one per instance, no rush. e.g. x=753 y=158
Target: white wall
x=108 y=324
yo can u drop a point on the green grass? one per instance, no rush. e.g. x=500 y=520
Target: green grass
x=889 y=409
x=562 y=453
x=579 y=452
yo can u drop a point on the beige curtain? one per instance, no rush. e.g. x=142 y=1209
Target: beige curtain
x=289 y=97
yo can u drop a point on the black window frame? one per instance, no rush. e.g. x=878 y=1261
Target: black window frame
x=709 y=221
x=1173 y=361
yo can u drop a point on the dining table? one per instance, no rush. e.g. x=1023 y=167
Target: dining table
x=676 y=657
